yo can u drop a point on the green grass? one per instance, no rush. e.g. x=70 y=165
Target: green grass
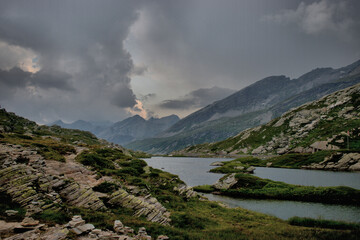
x=233 y=165
x=291 y=160
x=52 y=217
x=204 y=188
x=297 y=160
x=249 y=186
x=322 y=223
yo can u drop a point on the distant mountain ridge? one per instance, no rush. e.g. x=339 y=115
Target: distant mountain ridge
x=330 y=123
x=125 y=131
x=254 y=105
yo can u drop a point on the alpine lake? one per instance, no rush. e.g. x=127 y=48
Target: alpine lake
x=195 y=171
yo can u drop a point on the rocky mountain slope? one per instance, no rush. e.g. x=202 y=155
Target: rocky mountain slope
x=251 y=106
x=330 y=123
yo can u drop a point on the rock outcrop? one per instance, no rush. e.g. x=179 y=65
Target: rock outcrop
x=338 y=161
x=185 y=191
x=225 y=182
x=32 y=186
x=146 y=206
x=78 y=227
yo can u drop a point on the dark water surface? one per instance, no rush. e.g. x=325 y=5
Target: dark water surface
x=194 y=171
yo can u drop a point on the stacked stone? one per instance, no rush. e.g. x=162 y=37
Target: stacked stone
x=142 y=234
x=77 y=225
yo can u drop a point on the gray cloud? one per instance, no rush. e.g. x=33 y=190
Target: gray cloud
x=11 y=80
x=193 y=43
x=16 y=79
x=55 y=80
x=96 y=56
x=123 y=97
x=78 y=46
x=198 y=98
x=139 y=70
x=338 y=17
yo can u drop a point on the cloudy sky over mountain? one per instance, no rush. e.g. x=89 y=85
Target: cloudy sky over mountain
x=107 y=60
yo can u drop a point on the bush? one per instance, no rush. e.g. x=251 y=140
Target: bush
x=52 y=217
x=106 y=187
x=187 y=220
x=94 y=160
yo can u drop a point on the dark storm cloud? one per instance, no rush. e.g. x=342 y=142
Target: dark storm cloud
x=16 y=78
x=123 y=97
x=11 y=80
x=55 y=80
x=239 y=42
x=197 y=98
x=78 y=45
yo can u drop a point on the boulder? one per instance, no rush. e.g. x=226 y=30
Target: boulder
x=250 y=169
x=226 y=182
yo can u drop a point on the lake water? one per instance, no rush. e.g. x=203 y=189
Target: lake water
x=310 y=177
x=194 y=171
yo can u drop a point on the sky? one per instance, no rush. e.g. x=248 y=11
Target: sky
x=109 y=60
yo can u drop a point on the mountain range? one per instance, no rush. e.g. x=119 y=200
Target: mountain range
x=125 y=131
x=330 y=123
x=252 y=106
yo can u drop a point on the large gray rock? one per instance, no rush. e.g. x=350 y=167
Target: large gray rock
x=225 y=182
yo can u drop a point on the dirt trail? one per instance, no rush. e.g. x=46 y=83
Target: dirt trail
x=73 y=169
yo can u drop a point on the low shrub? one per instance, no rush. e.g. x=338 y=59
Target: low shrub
x=106 y=187
x=52 y=217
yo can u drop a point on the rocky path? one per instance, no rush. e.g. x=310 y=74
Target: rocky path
x=74 y=170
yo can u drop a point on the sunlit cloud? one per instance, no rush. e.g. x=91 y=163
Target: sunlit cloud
x=138 y=109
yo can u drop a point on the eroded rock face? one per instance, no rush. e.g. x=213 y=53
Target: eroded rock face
x=34 y=187
x=144 y=206
x=28 y=184
x=185 y=191
x=226 y=182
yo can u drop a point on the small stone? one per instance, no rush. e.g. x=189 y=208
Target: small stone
x=11 y=212
x=86 y=227
x=76 y=231
x=162 y=237
x=29 y=222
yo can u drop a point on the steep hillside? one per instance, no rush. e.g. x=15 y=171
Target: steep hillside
x=220 y=129
x=263 y=94
x=331 y=123
x=62 y=184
